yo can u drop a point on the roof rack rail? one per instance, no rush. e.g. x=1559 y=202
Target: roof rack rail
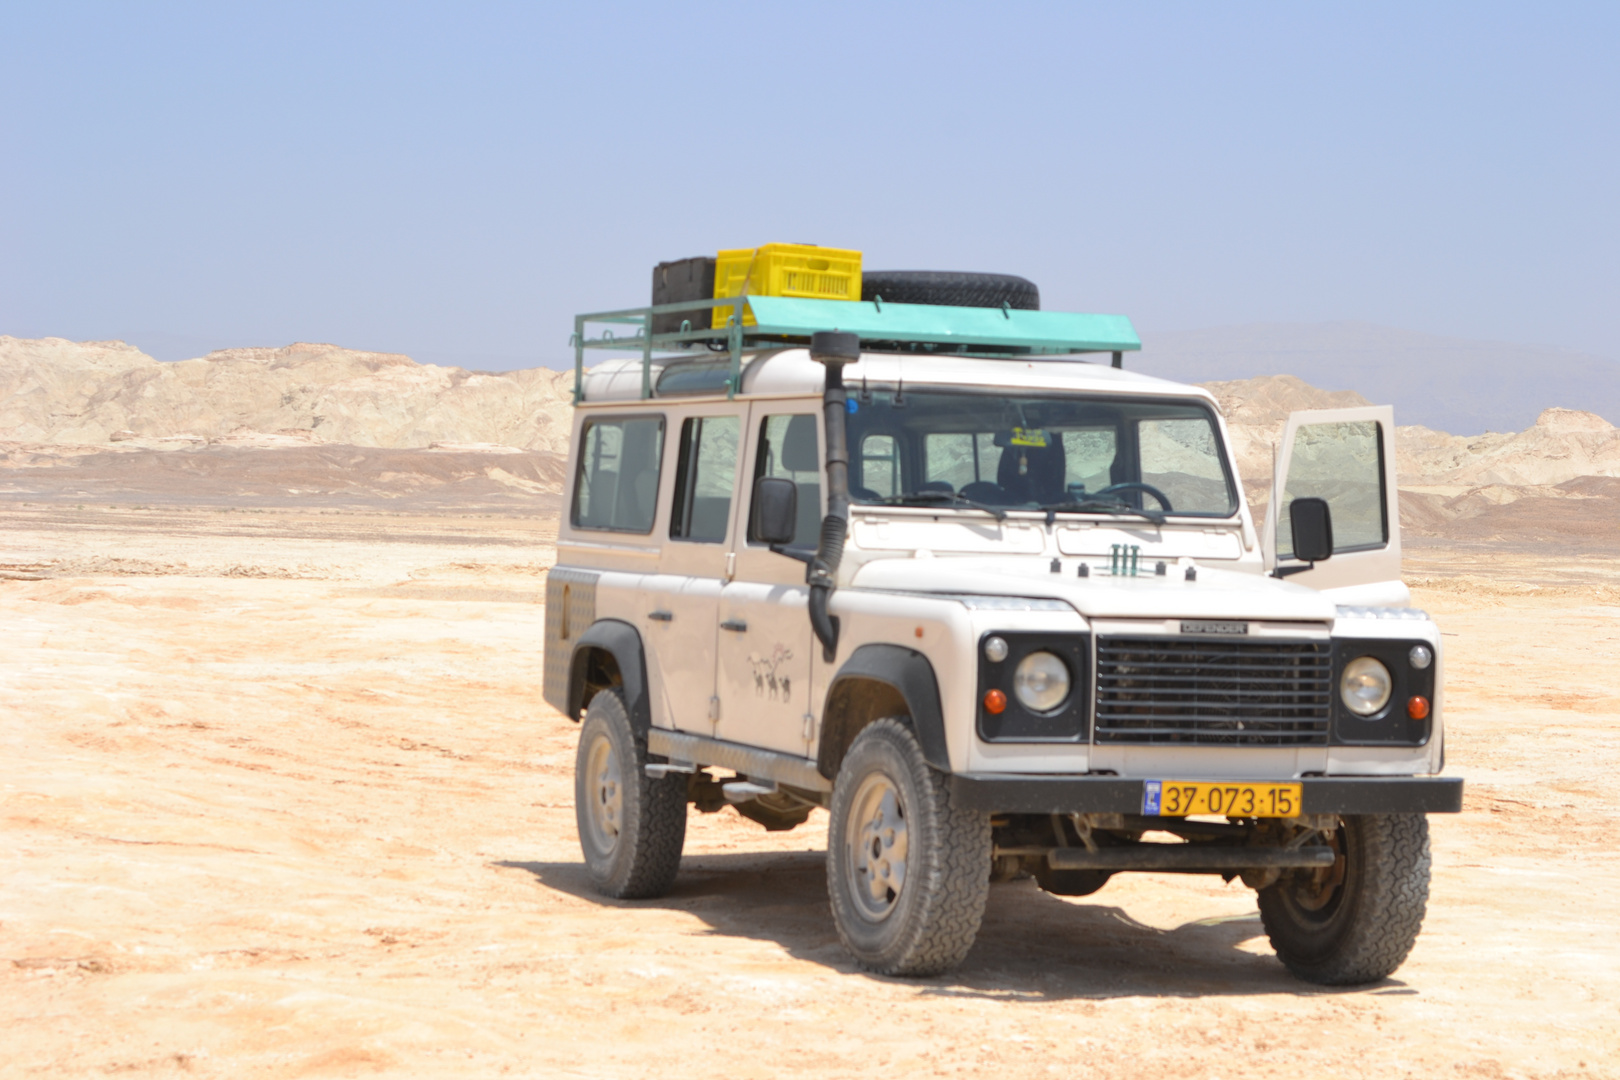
x=991 y=333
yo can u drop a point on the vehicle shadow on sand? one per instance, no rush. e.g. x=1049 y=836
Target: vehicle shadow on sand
x=1031 y=944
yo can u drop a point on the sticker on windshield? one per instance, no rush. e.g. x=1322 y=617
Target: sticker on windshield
x=1028 y=437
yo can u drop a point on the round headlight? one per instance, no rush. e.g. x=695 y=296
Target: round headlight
x=1420 y=657
x=1365 y=686
x=995 y=649
x=1041 y=682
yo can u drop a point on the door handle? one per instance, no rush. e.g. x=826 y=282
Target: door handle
x=661 y=616
x=737 y=625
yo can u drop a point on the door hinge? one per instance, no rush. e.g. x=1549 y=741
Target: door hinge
x=714 y=710
x=731 y=565
x=809 y=727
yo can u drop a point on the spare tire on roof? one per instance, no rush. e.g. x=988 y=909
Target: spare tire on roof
x=952 y=288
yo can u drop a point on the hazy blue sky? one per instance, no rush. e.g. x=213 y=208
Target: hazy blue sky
x=455 y=181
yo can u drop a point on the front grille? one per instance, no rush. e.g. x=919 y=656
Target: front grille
x=1178 y=691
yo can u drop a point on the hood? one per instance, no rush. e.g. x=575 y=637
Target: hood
x=1217 y=594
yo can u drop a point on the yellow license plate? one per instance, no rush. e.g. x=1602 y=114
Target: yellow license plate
x=1182 y=798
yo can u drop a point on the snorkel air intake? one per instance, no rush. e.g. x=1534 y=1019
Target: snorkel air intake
x=832 y=349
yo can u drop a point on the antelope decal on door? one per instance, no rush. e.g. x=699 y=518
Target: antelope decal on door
x=770 y=682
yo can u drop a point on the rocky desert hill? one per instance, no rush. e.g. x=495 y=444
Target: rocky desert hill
x=306 y=424
x=99 y=392
x=1454 y=384
x=322 y=422
x=1561 y=445
x=1563 y=468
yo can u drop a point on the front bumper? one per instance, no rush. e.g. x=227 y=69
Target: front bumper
x=1005 y=793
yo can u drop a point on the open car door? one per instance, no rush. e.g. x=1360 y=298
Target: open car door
x=1347 y=457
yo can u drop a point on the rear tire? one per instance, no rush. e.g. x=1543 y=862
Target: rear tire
x=631 y=827
x=1357 y=921
x=907 y=870
x=951 y=288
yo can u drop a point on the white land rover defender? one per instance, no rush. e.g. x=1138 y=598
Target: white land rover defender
x=1001 y=610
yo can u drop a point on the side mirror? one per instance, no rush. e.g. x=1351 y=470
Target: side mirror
x=1313 y=529
x=774 y=516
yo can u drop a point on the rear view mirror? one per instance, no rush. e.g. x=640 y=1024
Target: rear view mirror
x=1312 y=524
x=775 y=510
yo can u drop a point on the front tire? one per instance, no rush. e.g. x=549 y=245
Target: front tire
x=631 y=827
x=1355 y=922
x=906 y=868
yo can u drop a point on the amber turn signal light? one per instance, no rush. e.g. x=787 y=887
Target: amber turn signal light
x=995 y=701
x=1417 y=707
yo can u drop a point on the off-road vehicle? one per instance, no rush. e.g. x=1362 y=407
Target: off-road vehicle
x=999 y=605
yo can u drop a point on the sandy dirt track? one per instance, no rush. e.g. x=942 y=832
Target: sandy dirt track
x=278 y=797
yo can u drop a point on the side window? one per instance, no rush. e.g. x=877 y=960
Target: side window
x=879 y=465
x=704 y=478
x=959 y=458
x=1342 y=463
x=617 y=484
x=1088 y=457
x=788 y=449
x=1180 y=458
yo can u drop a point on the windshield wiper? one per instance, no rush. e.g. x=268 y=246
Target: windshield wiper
x=922 y=498
x=1102 y=506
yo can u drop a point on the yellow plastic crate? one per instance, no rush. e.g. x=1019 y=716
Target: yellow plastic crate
x=802 y=270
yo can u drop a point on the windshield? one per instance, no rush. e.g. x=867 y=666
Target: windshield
x=1083 y=454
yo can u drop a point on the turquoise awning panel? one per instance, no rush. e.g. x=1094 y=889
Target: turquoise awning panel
x=1040 y=331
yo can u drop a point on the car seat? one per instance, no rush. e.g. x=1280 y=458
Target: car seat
x=801 y=453
x=1031 y=473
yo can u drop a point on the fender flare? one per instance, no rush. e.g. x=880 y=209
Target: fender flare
x=910 y=675
x=623 y=642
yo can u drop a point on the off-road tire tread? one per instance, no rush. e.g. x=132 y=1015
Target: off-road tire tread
x=658 y=834
x=952 y=288
x=954 y=872
x=1391 y=899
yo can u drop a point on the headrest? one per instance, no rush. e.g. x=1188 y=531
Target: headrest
x=1032 y=472
x=799 y=445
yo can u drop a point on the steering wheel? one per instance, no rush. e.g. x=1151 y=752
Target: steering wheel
x=1134 y=485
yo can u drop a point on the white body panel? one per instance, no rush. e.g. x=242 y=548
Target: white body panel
x=910 y=576
x=764 y=679
x=1215 y=594
x=681 y=650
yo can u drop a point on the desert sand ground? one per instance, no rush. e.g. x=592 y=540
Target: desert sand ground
x=279 y=797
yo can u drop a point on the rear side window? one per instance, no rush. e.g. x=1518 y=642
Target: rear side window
x=703 y=481
x=617 y=484
x=788 y=449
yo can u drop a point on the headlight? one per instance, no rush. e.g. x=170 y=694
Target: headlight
x=1042 y=682
x=1365 y=686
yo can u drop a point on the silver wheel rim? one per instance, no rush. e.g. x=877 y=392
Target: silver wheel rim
x=604 y=794
x=876 y=843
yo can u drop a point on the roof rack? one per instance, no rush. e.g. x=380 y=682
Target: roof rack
x=993 y=333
